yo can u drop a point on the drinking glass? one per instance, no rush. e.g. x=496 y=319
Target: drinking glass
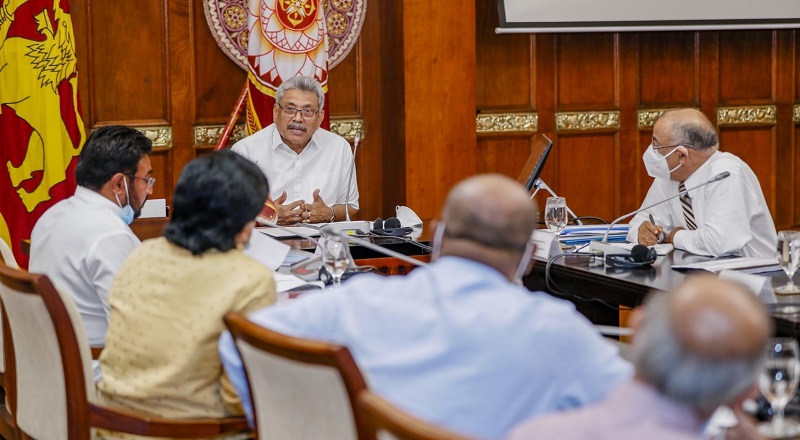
x=789 y=258
x=555 y=214
x=778 y=382
x=335 y=256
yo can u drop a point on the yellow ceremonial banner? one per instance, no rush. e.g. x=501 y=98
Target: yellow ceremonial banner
x=41 y=130
x=286 y=38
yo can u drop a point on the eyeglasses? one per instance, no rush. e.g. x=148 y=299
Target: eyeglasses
x=150 y=180
x=658 y=147
x=290 y=111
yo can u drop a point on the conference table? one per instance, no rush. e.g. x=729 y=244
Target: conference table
x=599 y=290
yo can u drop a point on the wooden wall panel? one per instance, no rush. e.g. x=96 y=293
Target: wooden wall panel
x=439 y=64
x=668 y=68
x=578 y=174
x=505 y=65
x=418 y=83
x=218 y=81
x=755 y=146
x=584 y=77
x=746 y=67
x=129 y=71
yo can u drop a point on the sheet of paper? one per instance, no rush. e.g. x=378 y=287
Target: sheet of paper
x=266 y=250
x=759 y=285
x=154 y=208
x=729 y=264
x=294 y=231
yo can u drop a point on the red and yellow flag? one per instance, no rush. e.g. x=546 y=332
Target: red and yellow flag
x=41 y=130
x=286 y=38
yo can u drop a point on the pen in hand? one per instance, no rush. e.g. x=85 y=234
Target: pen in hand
x=660 y=236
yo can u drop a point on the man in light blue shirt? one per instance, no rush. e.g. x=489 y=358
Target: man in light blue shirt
x=457 y=343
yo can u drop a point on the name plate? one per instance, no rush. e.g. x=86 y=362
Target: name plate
x=547 y=244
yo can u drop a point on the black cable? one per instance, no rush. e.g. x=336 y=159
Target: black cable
x=557 y=290
x=589 y=217
x=425 y=247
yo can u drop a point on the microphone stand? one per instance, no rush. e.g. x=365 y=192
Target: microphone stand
x=539 y=184
x=356 y=141
x=604 y=247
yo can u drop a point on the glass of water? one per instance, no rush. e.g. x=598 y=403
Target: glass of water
x=778 y=382
x=789 y=258
x=335 y=256
x=555 y=214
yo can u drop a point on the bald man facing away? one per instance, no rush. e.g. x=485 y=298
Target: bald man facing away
x=457 y=342
x=726 y=217
x=696 y=349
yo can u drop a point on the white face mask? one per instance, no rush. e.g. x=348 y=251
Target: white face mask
x=656 y=164
x=437 y=241
x=523 y=263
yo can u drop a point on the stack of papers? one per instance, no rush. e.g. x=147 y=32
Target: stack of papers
x=582 y=234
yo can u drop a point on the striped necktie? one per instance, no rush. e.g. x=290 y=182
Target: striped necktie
x=686 y=203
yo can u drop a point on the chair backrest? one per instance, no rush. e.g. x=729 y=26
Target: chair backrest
x=392 y=423
x=54 y=380
x=299 y=388
x=7 y=256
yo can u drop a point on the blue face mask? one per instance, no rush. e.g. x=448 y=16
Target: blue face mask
x=127 y=213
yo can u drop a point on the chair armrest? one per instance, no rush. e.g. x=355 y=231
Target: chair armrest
x=118 y=420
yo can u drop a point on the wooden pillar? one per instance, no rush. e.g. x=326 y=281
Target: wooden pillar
x=439 y=60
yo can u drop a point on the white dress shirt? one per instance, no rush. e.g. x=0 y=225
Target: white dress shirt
x=732 y=216
x=80 y=243
x=324 y=164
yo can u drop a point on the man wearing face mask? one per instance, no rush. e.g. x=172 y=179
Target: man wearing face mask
x=723 y=218
x=458 y=342
x=81 y=242
x=310 y=169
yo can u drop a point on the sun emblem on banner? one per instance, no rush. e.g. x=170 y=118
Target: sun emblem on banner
x=297 y=14
x=287 y=38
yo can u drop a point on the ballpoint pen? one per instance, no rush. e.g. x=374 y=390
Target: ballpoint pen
x=660 y=237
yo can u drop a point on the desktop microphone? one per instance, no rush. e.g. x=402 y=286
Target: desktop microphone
x=356 y=141
x=716 y=178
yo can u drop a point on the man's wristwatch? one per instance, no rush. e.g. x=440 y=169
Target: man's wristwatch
x=333 y=215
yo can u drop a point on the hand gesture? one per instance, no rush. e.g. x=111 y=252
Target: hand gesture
x=317 y=211
x=288 y=214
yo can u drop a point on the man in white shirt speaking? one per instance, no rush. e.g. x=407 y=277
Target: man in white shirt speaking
x=726 y=217
x=81 y=242
x=310 y=170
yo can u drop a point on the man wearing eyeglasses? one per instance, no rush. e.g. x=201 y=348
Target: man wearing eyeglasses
x=81 y=242
x=310 y=170
x=726 y=217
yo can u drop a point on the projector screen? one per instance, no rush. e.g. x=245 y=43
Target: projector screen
x=529 y=16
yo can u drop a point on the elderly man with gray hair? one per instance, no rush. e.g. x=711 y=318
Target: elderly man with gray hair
x=310 y=170
x=696 y=349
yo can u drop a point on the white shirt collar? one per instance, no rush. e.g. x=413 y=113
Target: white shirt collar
x=277 y=141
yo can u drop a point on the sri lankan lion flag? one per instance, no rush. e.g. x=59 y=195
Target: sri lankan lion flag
x=41 y=131
x=286 y=38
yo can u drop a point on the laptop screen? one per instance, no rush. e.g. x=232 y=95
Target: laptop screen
x=535 y=163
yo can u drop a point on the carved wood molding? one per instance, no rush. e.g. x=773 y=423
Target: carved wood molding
x=205 y=135
x=160 y=135
x=347 y=128
x=647 y=118
x=796 y=113
x=507 y=123
x=210 y=134
x=602 y=120
x=760 y=114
